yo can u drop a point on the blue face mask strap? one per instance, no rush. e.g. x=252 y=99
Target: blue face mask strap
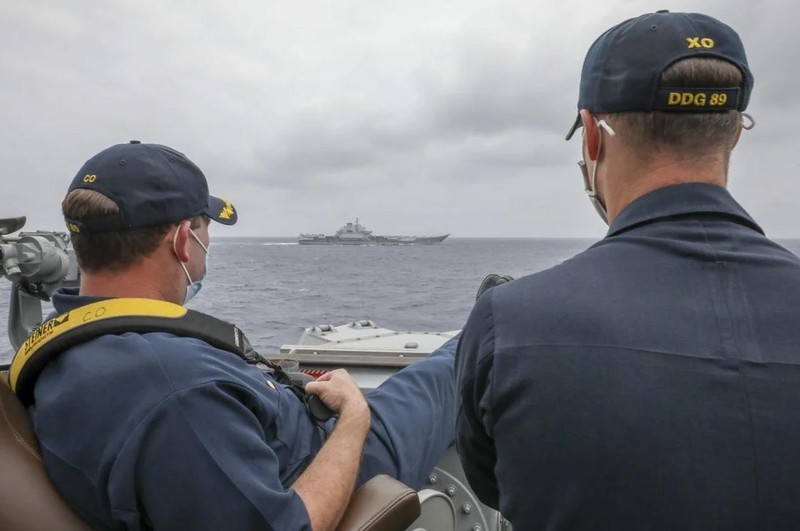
x=194 y=285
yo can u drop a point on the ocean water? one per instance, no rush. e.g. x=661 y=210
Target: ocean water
x=273 y=288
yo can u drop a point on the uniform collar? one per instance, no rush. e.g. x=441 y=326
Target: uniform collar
x=67 y=299
x=681 y=199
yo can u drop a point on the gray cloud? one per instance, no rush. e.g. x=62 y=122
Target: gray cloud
x=415 y=116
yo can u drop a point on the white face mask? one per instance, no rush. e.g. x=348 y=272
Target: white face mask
x=194 y=285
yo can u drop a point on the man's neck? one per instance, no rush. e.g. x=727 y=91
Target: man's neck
x=145 y=279
x=627 y=178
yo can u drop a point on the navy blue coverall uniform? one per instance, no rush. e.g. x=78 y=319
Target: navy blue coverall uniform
x=650 y=382
x=143 y=431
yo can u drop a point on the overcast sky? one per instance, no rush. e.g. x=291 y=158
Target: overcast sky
x=420 y=117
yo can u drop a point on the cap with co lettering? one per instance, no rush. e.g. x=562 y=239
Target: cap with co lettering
x=151 y=185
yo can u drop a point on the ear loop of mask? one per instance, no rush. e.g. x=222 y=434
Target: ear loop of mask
x=589 y=181
x=194 y=286
x=748 y=122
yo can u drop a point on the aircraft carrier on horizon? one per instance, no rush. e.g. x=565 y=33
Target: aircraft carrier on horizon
x=357 y=234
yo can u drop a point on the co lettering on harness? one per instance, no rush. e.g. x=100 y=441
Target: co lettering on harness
x=95 y=314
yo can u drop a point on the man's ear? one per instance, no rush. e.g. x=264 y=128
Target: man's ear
x=181 y=246
x=591 y=134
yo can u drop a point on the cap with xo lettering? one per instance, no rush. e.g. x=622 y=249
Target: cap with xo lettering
x=622 y=70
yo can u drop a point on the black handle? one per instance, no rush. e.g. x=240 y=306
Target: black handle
x=317 y=408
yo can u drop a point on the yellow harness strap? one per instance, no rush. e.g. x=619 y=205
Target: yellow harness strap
x=115 y=316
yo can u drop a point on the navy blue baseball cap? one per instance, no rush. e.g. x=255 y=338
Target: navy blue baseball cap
x=151 y=184
x=623 y=67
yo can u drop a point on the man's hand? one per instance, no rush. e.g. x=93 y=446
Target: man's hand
x=339 y=391
x=326 y=485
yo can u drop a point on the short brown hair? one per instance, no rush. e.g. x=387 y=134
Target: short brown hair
x=693 y=134
x=107 y=251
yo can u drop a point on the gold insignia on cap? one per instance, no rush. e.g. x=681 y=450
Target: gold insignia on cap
x=227 y=211
x=700 y=42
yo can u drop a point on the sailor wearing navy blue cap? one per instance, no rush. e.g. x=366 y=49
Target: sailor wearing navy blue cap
x=652 y=381
x=158 y=430
x=151 y=185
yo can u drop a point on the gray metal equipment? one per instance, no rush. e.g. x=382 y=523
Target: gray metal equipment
x=36 y=263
